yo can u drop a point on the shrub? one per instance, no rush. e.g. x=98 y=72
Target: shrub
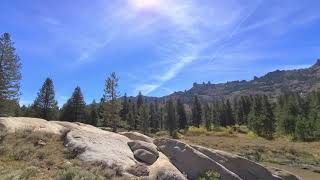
x=3 y=150
x=251 y=134
x=26 y=173
x=210 y=175
x=29 y=172
x=3 y=134
x=162 y=134
x=194 y=131
x=175 y=134
x=73 y=173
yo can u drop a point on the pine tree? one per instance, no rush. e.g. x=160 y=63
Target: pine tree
x=75 y=108
x=135 y=116
x=255 y=122
x=229 y=114
x=262 y=119
x=131 y=115
x=288 y=111
x=140 y=100
x=171 y=117
x=112 y=106
x=215 y=114
x=10 y=75
x=182 y=115
x=101 y=108
x=153 y=118
x=45 y=105
x=93 y=111
x=208 y=116
x=157 y=117
x=124 y=113
x=144 y=119
x=162 y=118
x=196 y=112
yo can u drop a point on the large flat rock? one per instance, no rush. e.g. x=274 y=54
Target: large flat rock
x=190 y=161
x=244 y=168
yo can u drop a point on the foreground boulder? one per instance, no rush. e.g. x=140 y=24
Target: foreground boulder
x=93 y=144
x=145 y=156
x=163 y=169
x=190 y=161
x=135 y=145
x=143 y=151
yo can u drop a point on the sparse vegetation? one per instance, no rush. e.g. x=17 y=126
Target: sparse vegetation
x=280 y=151
x=36 y=155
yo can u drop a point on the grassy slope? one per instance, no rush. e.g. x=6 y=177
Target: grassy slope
x=21 y=157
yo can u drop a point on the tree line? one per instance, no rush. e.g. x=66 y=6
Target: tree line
x=290 y=114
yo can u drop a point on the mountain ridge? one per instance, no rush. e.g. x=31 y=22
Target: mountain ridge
x=272 y=84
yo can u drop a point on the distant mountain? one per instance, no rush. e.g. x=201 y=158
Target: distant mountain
x=272 y=84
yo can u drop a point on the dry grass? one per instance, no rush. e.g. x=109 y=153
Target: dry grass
x=29 y=155
x=280 y=151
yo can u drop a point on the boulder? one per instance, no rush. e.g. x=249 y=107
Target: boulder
x=163 y=169
x=145 y=156
x=244 y=168
x=99 y=145
x=137 y=136
x=135 y=145
x=190 y=161
x=13 y=124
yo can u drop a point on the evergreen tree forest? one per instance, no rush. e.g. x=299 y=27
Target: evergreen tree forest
x=290 y=114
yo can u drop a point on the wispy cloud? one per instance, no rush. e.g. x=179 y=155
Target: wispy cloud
x=205 y=37
x=188 y=41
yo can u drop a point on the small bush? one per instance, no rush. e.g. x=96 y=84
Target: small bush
x=3 y=134
x=162 y=134
x=29 y=172
x=175 y=135
x=22 y=153
x=73 y=173
x=194 y=131
x=3 y=150
x=252 y=135
x=210 y=175
x=18 y=174
x=229 y=131
x=139 y=170
x=75 y=152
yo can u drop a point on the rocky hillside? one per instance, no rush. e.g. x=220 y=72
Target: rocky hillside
x=272 y=84
x=131 y=155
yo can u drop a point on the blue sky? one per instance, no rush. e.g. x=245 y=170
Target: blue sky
x=157 y=46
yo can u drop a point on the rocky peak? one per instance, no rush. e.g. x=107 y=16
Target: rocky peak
x=317 y=64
